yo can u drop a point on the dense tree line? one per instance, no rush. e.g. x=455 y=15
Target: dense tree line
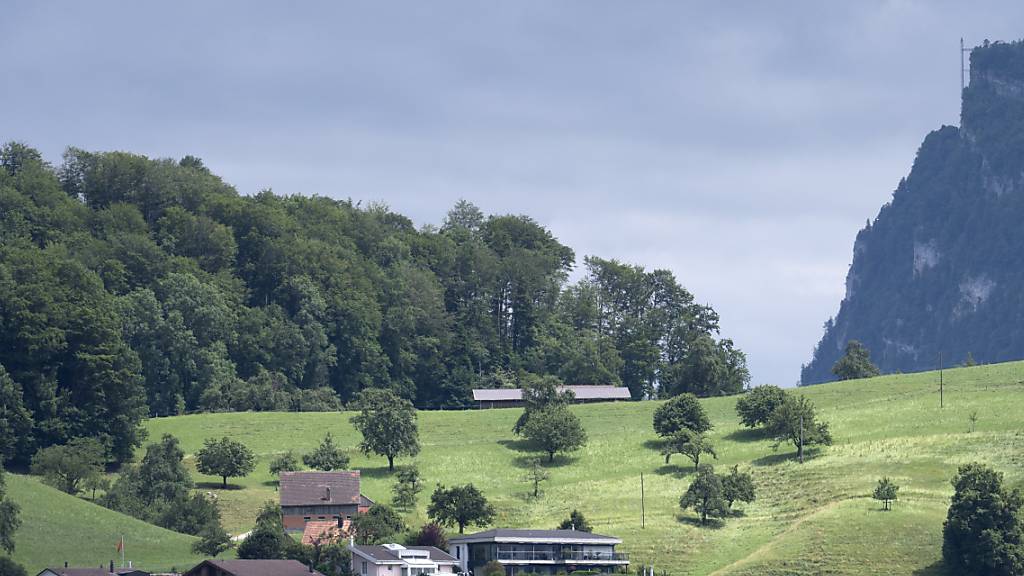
x=133 y=287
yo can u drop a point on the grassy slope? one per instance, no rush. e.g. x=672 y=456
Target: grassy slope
x=807 y=517
x=57 y=528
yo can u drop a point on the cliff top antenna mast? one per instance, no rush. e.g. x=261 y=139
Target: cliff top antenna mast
x=963 y=67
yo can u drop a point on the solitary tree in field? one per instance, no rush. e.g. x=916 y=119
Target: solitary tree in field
x=540 y=392
x=794 y=421
x=737 y=486
x=327 y=456
x=388 y=425
x=886 y=491
x=555 y=429
x=226 y=458
x=67 y=467
x=460 y=506
x=855 y=363
x=705 y=495
x=407 y=488
x=535 y=475
x=691 y=444
x=682 y=411
x=754 y=407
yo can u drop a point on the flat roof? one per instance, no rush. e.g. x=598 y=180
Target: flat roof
x=582 y=392
x=537 y=536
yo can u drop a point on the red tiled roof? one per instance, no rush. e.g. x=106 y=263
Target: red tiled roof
x=326 y=531
x=320 y=488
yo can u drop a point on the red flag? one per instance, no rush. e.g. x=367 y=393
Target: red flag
x=120 y=544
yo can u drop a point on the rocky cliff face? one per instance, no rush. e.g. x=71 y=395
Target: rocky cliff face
x=941 y=268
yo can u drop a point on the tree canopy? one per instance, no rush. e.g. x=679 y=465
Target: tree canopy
x=855 y=363
x=705 y=495
x=756 y=406
x=9 y=517
x=225 y=458
x=136 y=286
x=689 y=443
x=576 y=521
x=388 y=425
x=983 y=532
x=555 y=429
x=68 y=466
x=460 y=506
x=682 y=412
x=795 y=421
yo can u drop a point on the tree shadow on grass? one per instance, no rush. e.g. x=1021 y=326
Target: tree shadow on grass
x=218 y=486
x=746 y=435
x=674 y=470
x=378 y=472
x=654 y=444
x=937 y=568
x=521 y=445
x=711 y=524
x=780 y=457
x=526 y=461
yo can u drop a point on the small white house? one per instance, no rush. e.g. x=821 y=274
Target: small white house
x=398 y=560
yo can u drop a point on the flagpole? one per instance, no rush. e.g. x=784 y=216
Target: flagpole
x=122 y=550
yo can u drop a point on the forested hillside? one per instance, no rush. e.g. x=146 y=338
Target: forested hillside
x=133 y=287
x=940 y=269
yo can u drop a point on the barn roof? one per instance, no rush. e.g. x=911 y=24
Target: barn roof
x=310 y=488
x=582 y=392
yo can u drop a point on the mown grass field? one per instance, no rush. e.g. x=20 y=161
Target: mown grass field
x=57 y=528
x=815 y=518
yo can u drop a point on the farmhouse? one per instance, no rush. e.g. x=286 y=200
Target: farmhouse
x=252 y=568
x=543 y=552
x=321 y=497
x=513 y=397
x=398 y=560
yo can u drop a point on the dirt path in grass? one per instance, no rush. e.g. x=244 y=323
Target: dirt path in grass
x=764 y=548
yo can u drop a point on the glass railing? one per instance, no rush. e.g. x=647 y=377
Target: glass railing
x=552 y=556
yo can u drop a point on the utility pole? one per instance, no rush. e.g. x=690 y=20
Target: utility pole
x=801 y=451
x=643 y=514
x=962 y=79
x=941 y=403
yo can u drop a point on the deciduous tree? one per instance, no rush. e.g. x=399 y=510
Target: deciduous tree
x=682 y=411
x=576 y=521
x=225 y=458
x=737 y=486
x=67 y=467
x=795 y=421
x=460 y=506
x=555 y=429
x=705 y=495
x=388 y=425
x=755 y=406
x=378 y=525
x=983 y=532
x=691 y=444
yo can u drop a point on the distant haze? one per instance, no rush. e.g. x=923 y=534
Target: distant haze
x=740 y=148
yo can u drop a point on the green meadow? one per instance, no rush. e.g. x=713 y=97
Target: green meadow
x=813 y=518
x=58 y=528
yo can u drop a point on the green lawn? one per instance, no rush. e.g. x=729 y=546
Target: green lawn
x=809 y=519
x=57 y=528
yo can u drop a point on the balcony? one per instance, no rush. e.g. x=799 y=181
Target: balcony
x=560 y=556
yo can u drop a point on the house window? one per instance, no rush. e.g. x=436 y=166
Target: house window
x=364 y=568
x=458 y=552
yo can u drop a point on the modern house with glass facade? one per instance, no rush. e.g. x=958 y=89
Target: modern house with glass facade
x=398 y=560
x=543 y=552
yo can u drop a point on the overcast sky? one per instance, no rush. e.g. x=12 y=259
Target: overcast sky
x=741 y=147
